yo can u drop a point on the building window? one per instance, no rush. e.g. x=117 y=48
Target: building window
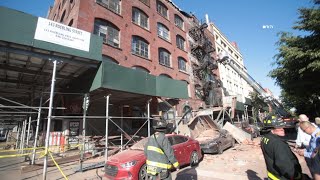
x=231 y=52
x=146 y=2
x=140 y=18
x=142 y=69
x=63 y=15
x=178 y=21
x=165 y=75
x=198 y=91
x=70 y=23
x=162 y=9
x=182 y=64
x=108 y=32
x=164 y=57
x=163 y=32
x=180 y=42
x=140 y=47
x=109 y=59
x=223 y=44
x=113 y=5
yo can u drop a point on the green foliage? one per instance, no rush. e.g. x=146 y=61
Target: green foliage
x=298 y=63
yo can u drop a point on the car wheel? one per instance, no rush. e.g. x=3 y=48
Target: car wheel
x=220 y=149
x=143 y=172
x=194 y=158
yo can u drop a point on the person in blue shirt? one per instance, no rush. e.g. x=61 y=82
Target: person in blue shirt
x=312 y=151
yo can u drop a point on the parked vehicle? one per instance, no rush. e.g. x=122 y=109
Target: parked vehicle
x=211 y=137
x=130 y=164
x=3 y=134
x=216 y=141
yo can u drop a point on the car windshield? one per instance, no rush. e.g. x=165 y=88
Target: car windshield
x=140 y=144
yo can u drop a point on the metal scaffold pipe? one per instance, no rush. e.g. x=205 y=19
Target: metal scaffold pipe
x=49 y=120
x=121 y=125
x=85 y=104
x=18 y=133
x=29 y=124
x=37 y=132
x=107 y=123
x=149 y=118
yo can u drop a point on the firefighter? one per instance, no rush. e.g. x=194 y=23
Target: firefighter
x=280 y=160
x=159 y=153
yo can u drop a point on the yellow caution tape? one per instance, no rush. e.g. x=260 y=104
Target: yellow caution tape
x=43 y=153
x=17 y=155
x=10 y=150
x=66 y=146
x=57 y=166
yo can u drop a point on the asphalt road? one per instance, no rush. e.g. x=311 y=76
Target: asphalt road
x=10 y=167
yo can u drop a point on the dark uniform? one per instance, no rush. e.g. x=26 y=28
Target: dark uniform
x=280 y=160
x=159 y=159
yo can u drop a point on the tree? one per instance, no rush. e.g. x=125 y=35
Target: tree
x=257 y=104
x=298 y=63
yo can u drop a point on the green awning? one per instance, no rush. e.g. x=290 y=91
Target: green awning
x=115 y=77
x=18 y=27
x=248 y=101
x=240 y=106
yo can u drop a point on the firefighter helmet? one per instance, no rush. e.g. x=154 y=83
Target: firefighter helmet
x=160 y=125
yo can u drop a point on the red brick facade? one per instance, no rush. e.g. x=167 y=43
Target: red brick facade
x=83 y=13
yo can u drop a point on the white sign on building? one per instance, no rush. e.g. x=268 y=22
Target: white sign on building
x=61 y=34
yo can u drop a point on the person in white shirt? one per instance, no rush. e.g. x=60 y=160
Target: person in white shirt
x=303 y=138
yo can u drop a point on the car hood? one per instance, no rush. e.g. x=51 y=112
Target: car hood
x=127 y=155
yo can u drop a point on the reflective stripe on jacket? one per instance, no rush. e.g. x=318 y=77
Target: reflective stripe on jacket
x=161 y=158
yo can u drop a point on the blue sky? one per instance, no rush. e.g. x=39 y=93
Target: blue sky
x=241 y=21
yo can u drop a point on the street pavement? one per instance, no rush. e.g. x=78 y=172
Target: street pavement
x=242 y=162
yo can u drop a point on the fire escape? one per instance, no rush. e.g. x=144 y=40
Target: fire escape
x=203 y=70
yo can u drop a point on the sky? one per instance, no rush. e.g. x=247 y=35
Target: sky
x=241 y=21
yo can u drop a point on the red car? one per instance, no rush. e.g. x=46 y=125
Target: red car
x=130 y=164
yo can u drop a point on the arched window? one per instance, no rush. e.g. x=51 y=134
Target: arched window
x=164 y=57
x=140 y=46
x=62 y=17
x=165 y=75
x=163 y=32
x=146 y=2
x=70 y=23
x=109 y=59
x=180 y=42
x=182 y=64
x=140 y=18
x=112 y=5
x=162 y=9
x=108 y=31
x=178 y=21
x=140 y=68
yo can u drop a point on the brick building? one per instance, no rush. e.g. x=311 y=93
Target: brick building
x=148 y=36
